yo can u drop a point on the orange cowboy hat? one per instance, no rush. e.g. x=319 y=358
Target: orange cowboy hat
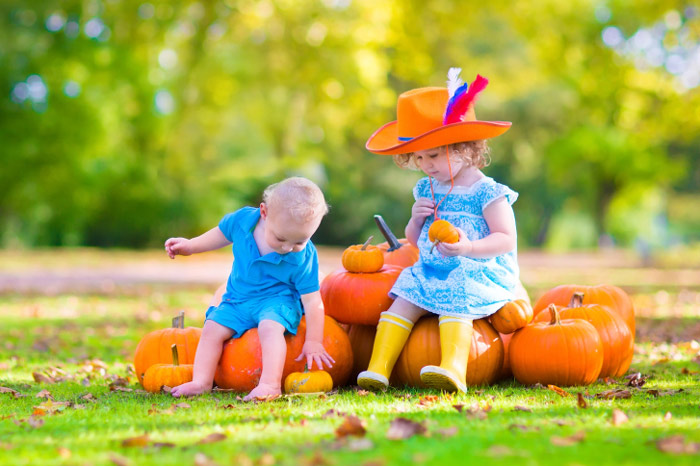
x=430 y=117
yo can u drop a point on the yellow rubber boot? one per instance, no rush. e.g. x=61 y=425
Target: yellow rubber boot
x=392 y=333
x=455 y=343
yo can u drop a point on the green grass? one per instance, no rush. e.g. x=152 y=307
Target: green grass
x=59 y=335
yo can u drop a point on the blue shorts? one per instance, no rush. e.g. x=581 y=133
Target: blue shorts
x=240 y=317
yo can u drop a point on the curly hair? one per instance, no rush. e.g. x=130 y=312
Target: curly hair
x=474 y=153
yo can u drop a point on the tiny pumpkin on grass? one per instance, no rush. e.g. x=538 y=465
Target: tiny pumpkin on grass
x=308 y=382
x=363 y=258
x=442 y=231
x=170 y=375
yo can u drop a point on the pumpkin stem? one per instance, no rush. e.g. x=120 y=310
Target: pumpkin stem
x=576 y=299
x=366 y=243
x=433 y=246
x=176 y=359
x=179 y=321
x=388 y=234
x=554 y=313
x=306 y=367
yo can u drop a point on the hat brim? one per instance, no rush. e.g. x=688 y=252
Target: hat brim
x=384 y=140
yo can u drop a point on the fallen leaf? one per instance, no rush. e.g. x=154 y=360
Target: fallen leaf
x=117 y=388
x=523 y=428
x=582 y=403
x=42 y=378
x=619 y=417
x=558 y=390
x=182 y=405
x=213 y=438
x=50 y=407
x=331 y=413
x=568 y=441
x=668 y=416
x=522 y=408
x=363 y=392
x=44 y=394
x=636 y=380
x=359 y=444
x=676 y=445
x=9 y=390
x=352 y=425
x=658 y=393
x=140 y=441
x=613 y=394
x=427 y=400
x=35 y=422
x=402 y=428
x=89 y=397
x=459 y=408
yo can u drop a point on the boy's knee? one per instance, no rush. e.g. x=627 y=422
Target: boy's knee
x=270 y=327
x=215 y=331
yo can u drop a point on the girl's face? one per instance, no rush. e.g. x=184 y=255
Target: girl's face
x=284 y=234
x=433 y=162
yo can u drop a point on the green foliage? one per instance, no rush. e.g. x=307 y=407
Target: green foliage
x=146 y=120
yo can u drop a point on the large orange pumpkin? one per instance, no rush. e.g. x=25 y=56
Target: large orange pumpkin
x=362 y=341
x=396 y=251
x=423 y=349
x=618 y=345
x=154 y=348
x=358 y=298
x=240 y=365
x=506 y=372
x=559 y=352
x=607 y=295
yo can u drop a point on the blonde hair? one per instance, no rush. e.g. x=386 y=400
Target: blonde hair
x=299 y=197
x=474 y=153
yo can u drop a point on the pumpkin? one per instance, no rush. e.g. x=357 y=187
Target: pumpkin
x=154 y=348
x=442 y=231
x=363 y=258
x=618 y=345
x=559 y=352
x=512 y=316
x=607 y=295
x=506 y=372
x=358 y=298
x=361 y=341
x=170 y=375
x=308 y=382
x=240 y=365
x=396 y=251
x=423 y=349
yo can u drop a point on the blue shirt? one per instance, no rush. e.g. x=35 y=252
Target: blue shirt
x=273 y=275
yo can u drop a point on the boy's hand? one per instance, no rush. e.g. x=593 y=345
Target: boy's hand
x=463 y=247
x=315 y=352
x=178 y=246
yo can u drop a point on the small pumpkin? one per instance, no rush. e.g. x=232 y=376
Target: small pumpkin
x=512 y=316
x=170 y=375
x=559 y=352
x=442 y=231
x=363 y=258
x=618 y=344
x=423 y=349
x=308 y=382
x=396 y=251
x=154 y=348
x=607 y=295
x=240 y=365
x=358 y=298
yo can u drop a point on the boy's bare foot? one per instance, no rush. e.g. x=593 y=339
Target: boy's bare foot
x=263 y=391
x=189 y=388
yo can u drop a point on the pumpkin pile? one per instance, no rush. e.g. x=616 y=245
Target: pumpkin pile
x=578 y=334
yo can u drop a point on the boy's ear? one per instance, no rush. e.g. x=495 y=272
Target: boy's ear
x=263 y=210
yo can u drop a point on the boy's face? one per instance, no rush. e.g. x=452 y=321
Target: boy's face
x=283 y=232
x=433 y=162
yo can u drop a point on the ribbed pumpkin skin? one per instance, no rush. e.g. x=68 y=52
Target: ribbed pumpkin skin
x=443 y=231
x=423 y=349
x=358 y=298
x=404 y=256
x=166 y=374
x=512 y=316
x=361 y=340
x=607 y=295
x=154 y=348
x=506 y=372
x=615 y=335
x=367 y=260
x=565 y=353
x=308 y=382
x=240 y=365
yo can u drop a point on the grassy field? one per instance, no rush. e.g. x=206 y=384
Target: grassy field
x=68 y=394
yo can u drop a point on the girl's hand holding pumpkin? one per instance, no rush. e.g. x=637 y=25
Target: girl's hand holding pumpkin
x=463 y=247
x=314 y=351
x=178 y=246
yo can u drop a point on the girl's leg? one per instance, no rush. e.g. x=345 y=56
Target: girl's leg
x=209 y=349
x=393 y=330
x=274 y=353
x=455 y=344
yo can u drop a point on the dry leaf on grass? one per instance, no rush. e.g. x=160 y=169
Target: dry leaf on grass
x=677 y=445
x=44 y=394
x=522 y=408
x=140 y=441
x=619 y=417
x=558 y=390
x=582 y=403
x=213 y=438
x=427 y=400
x=14 y=393
x=352 y=425
x=402 y=428
x=636 y=380
x=615 y=393
x=568 y=441
x=668 y=416
x=50 y=407
x=42 y=378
